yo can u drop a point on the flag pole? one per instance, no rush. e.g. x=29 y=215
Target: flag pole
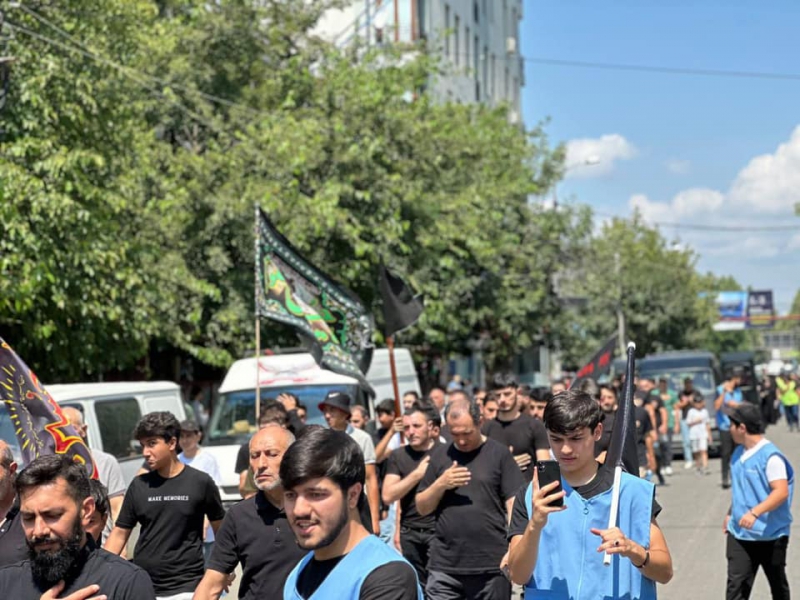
x=258 y=320
x=393 y=367
x=615 y=490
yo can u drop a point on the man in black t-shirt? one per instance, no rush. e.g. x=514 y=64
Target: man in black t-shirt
x=608 y=404
x=256 y=532
x=469 y=486
x=170 y=503
x=12 y=538
x=516 y=429
x=323 y=475
x=55 y=505
x=405 y=469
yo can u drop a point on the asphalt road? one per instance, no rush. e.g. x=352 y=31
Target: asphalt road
x=693 y=509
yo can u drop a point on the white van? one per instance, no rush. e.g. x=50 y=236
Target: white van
x=233 y=421
x=111 y=411
x=379 y=375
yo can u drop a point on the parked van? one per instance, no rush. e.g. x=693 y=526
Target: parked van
x=379 y=375
x=111 y=411
x=233 y=421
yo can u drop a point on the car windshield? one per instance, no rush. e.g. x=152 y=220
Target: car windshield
x=703 y=379
x=8 y=434
x=234 y=419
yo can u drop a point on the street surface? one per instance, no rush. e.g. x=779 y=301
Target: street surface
x=693 y=510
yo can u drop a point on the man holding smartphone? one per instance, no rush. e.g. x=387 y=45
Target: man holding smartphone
x=559 y=549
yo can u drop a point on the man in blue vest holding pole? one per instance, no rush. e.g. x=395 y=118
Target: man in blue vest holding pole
x=758 y=521
x=323 y=478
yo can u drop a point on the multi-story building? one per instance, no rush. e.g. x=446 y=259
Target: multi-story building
x=478 y=41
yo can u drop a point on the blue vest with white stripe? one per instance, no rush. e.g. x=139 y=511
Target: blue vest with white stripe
x=750 y=486
x=345 y=580
x=569 y=567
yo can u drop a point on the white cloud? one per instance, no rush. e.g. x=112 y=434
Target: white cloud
x=592 y=157
x=688 y=203
x=794 y=243
x=751 y=247
x=677 y=166
x=770 y=182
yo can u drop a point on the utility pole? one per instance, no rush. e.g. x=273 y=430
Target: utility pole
x=621 y=338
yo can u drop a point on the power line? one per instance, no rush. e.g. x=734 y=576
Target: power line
x=720 y=228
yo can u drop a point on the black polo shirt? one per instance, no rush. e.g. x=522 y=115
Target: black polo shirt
x=256 y=533
x=13 y=548
x=118 y=578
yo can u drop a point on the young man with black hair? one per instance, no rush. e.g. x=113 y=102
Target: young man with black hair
x=558 y=551
x=102 y=508
x=469 y=485
x=56 y=505
x=170 y=503
x=523 y=435
x=255 y=533
x=758 y=522
x=405 y=469
x=539 y=399
x=323 y=476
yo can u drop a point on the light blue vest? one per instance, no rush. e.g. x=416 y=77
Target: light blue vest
x=346 y=579
x=569 y=567
x=750 y=486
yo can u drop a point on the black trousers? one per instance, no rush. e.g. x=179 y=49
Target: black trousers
x=744 y=559
x=416 y=544
x=725 y=452
x=484 y=586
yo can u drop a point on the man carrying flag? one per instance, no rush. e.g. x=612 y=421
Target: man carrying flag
x=558 y=553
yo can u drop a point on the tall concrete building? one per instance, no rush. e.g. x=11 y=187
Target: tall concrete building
x=477 y=39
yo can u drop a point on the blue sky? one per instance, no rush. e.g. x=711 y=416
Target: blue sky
x=697 y=150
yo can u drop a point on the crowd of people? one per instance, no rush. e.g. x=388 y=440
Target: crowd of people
x=441 y=502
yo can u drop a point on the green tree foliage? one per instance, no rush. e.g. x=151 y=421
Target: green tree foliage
x=139 y=135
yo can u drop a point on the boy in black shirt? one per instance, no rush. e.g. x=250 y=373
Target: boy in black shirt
x=170 y=503
x=405 y=469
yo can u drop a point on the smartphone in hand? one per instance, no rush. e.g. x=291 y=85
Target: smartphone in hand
x=548 y=471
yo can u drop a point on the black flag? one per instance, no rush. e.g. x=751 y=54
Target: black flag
x=622 y=448
x=401 y=308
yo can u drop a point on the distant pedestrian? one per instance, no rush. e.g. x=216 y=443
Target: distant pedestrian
x=323 y=475
x=539 y=399
x=788 y=393
x=490 y=407
x=729 y=396
x=758 y=522
x=684 y=404
x=699 y=422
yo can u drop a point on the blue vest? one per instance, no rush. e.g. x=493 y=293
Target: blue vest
x=750 y=487
x=346 y=579
x=569 y=567
x=723 y=420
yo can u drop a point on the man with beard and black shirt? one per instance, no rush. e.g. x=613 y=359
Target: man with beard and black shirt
x=470 y=486
x=55 y=506
x=608 y=404
x=12 y=537
x=323 y=475
x=405 y=469
x=256 y=532
x=170 y=503
x=516 y=430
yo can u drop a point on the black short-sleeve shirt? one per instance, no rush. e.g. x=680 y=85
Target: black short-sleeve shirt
x=523 y=434
x=643 y=427
x=470 y=533
x=118 y=578
x=392 y=581
x=603 y=481
x=170 y=512
x=402 y=462
x=256 y=534
x=13 y=548
x=243 y=458
x=604 y=442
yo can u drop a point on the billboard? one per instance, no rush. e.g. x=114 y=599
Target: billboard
x=760 y=310
x=739 y=310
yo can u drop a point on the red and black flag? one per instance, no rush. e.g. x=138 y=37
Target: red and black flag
x=599 y=364
x=39 y=424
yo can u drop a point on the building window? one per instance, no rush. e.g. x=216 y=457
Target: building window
x=467 y=49
x=457 y=42
x=476 y=59
x=447 y=30
x=485 y=78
